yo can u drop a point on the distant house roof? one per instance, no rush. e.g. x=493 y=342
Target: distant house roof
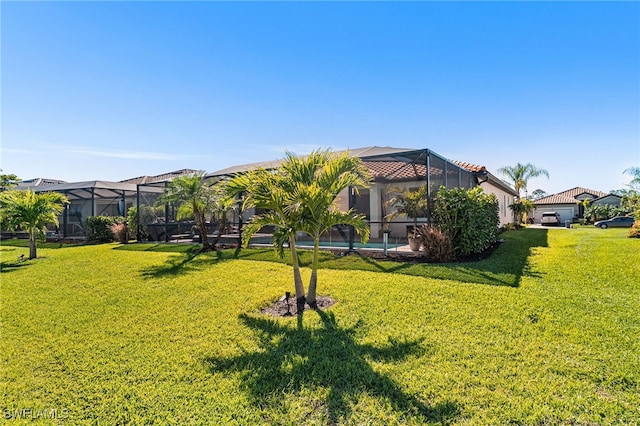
x=93 y=188
x=158 y=178
x=569 y=196
x=556 y=199
x=30 y=183
x=607 y=196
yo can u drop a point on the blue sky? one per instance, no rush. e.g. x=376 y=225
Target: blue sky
x=112 y=90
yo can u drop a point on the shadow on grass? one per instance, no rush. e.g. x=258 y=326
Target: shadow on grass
x=22 y=243
x=159 y=247
x=505 y=267
x=305 y=257
x=189 y=258
x=293 y=360
x=193 y=260
x=6 y=267
x=508 y=264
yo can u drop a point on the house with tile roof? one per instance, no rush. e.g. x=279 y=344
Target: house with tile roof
x=568 y=204
x=405 y=168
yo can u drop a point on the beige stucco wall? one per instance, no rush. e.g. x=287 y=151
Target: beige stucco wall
x=504 y=201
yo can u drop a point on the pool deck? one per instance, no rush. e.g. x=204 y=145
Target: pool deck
x=405 y=249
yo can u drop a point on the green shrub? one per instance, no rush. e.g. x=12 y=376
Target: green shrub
x=148 y=214
x=468 y=217
x=598 y=212
x=521 y=209
x=98 y=228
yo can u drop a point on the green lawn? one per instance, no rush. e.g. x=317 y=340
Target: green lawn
x=546 y=331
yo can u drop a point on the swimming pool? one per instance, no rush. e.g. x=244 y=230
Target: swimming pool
x=356 y=245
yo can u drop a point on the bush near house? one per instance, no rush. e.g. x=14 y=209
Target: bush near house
x=469 y=217
x=98 y=228
x=597 y=212
x=148 y=214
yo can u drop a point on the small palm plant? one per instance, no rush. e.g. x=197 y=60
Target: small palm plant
x=32 y=212
x=198 y=199
x=408 y=202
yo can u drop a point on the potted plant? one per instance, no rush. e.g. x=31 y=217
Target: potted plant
x=410 y=202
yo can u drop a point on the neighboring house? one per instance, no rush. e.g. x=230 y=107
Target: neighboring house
x=165 y=177
x=32 y=183
x=405 y=168
x=91 y=198
x=101 y=198
x=568 y=204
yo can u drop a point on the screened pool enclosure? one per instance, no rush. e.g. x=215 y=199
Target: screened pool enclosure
x=389 y=168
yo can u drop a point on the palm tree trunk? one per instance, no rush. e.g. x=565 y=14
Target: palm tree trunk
x=311 y=294
x=199 y=217
x=297 y=277
x=32 y=244
x=223 y=224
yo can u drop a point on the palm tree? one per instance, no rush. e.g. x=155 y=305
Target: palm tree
x=220 y=206
x=275 y=193
x=197 y=198
x=409 y=202
x=31 y=211
x=321 y=177
x=521 y=208
x=635 y=172
x=300 y=196
x=521 y=173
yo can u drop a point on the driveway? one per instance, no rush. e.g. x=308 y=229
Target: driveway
x=538 y=226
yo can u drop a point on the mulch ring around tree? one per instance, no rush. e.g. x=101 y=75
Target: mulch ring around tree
x=280 y=308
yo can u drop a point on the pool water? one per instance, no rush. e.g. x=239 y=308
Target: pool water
x=344 y=244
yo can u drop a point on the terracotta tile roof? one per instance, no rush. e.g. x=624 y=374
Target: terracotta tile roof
x=574 y=192
x=396 y=170
x=380 y=161
x=470 y=167
x=556 y=199
x=367 y=152
x=570 y=196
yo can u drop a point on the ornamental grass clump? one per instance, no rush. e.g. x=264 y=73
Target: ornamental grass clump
x=120 y=232
x=436 y=244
